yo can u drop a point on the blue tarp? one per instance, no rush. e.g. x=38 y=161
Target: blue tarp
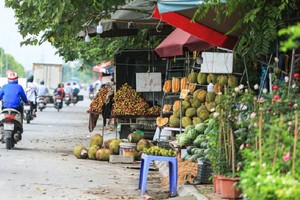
x=176 y=5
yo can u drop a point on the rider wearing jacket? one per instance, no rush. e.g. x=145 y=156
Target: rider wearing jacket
x=12 y=92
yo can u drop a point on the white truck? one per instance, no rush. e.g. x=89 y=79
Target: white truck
x=51 y=74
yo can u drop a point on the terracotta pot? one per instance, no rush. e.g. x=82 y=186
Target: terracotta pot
x=228 y=190
x=217 y=186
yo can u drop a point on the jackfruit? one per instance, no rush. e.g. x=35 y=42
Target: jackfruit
x=196 y=103
x=211 y=106
x=186 y=104
x=114 y=146
x=197 y=120
x=186 y=121
x=192 y=77
x=80 y=152
x=196 y=92
x=203 y=114
x=96 y=139
x=191 y=112
x=202 y=95
x=210 y=97
x=174 y=121
x=218 y=88
x=103 y=154
x=212 y=78
x=223 y=80
x=202 y=78
x=92 y=152
x=233 y=81
x=143 y=143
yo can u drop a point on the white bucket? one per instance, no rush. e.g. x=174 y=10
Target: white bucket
x=127 y=149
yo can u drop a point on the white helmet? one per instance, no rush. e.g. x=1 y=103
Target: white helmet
x=12 y=76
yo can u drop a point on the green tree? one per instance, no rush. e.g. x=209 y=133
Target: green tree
x=7 y=61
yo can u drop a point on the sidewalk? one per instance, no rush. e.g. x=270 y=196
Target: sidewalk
x=156 y=191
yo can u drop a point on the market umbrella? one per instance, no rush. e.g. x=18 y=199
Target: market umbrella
x=179 y=13
x=128 y=19
x=177 y=41
x=102 y=67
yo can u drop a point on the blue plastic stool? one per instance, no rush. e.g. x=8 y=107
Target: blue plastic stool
x=173 y=172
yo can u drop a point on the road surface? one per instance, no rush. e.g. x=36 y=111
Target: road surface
x=42 y=165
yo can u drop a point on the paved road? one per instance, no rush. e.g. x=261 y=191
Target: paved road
x=42 y=165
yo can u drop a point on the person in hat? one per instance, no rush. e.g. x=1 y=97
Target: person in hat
x=12 y=92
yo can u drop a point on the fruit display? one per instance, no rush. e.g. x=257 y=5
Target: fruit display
x=128 y=102
x=155 y=110
x=158 y=151
x=199 y=105
x=97 y=103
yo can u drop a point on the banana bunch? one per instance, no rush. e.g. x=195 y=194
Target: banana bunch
x=157 y=151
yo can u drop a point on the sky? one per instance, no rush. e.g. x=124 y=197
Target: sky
x=10 y=40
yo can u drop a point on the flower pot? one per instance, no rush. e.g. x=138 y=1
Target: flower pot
x=217 y=186
x=228 y=191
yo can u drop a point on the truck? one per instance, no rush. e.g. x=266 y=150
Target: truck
x=51 y=74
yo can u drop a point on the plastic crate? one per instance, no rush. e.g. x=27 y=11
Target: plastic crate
x=204 y=172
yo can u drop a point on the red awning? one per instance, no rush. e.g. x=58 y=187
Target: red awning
x=197 y=29
x=175 y=43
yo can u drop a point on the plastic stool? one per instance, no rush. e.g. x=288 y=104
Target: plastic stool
x=173 y=172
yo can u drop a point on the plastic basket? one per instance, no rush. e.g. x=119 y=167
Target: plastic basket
x=204 y=172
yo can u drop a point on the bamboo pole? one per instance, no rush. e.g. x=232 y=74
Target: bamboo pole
x=295 y=144
x=260 y=138
x=232 y=152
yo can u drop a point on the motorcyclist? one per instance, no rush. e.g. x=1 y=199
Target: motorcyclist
x=76 y=90
x=68 y=89
x=59 y=91
x=42 y=89
x=31 y=93
x=12 y=93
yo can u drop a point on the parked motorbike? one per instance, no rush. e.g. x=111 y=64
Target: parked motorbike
x=27 y=114
x=67 y=99
x=11 y=127
x=58 y=102
x=41 y=103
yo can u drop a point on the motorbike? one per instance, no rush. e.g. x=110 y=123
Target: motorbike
x=11 y=127
x=91 y=95
x=74 y=99
x=41 y=103
x=27 y=114
x=58 y=102
x=67 y=99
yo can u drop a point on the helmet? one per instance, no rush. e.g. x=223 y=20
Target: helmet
x=42 y=82
x=12 y=76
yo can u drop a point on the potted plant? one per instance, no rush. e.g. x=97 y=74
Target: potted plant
x=232 y=133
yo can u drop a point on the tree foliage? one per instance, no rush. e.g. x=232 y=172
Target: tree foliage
x=261 y=21
x=59 y=22
x=7 y=61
